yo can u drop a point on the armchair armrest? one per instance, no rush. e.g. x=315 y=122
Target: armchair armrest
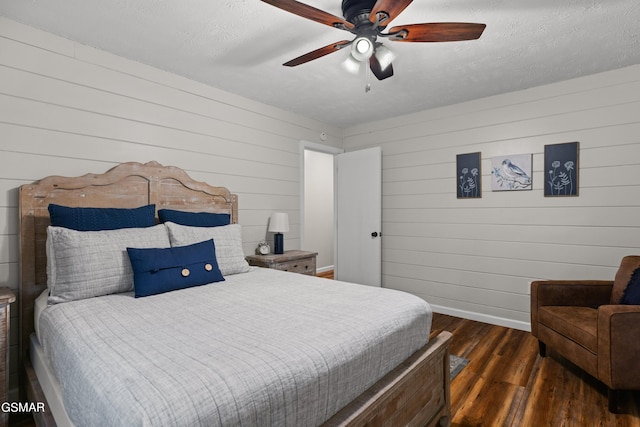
x=619 y=346
x=581 y=293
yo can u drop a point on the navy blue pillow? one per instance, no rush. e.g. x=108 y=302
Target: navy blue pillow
x=631 y=294
x=158 y=270
x=194 y=219
x=96 y=219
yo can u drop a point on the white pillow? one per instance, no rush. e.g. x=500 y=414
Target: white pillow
x=227 y=239
x=85 y=264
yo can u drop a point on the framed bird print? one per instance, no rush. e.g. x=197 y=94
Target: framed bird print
x=468 y=176
x=561 y=169
x=511 y=173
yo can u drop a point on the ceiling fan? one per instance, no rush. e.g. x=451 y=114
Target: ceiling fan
x=367 y=19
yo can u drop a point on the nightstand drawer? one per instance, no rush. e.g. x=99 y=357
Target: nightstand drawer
x=304 y=266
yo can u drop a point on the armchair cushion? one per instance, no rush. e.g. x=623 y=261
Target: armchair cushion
x=576 y=293
x=579 y=324
x=631 y=294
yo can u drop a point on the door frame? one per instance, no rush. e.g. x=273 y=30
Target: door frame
x=328 y=149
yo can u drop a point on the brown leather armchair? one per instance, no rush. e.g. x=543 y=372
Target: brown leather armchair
x=584 y=322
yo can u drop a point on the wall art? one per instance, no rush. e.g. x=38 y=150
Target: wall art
x=561 y=169
x=510 y=173
x=468 y=176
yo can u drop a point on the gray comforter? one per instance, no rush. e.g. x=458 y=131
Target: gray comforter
x=264 y=348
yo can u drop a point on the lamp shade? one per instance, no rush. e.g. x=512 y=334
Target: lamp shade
x=385 y=57
x=352 y=65
x=362 y=48
x=279 y=222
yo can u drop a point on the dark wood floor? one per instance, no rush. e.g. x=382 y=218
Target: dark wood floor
x=326 y=274
x=507 y=383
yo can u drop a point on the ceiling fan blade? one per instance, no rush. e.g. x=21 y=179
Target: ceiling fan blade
x=317 y=53
x=377 y=70
x=437 y=32
x=390 y=8
x=311 y=12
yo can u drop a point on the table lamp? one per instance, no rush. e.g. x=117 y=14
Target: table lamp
x=278 y=224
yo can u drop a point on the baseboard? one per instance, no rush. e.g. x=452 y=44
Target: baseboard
x=480 y=317
x=323 y=269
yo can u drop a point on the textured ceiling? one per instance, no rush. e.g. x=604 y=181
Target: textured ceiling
x=239 y=46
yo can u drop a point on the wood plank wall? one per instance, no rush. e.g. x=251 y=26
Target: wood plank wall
x=475 y=258
x=68 y=109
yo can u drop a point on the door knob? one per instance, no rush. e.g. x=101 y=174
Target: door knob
x=374 y=234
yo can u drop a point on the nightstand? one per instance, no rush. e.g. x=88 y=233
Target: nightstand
x=6 y=297
x=303 y=262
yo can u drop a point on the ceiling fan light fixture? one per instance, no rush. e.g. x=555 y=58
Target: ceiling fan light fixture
x=362 y=48
x=384 y=56
x=368 y=20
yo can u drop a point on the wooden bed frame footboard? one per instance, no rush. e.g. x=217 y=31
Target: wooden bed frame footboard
x=416 y=393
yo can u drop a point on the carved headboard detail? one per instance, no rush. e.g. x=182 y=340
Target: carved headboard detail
x=127 y=185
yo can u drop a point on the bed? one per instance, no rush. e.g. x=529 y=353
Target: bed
x=258 y=355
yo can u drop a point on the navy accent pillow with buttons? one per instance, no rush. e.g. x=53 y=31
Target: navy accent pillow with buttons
x=159 y=270
x=194 y=219
x=96 y=219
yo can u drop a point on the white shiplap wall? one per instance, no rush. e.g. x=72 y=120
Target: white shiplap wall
x=475 y=258
x=67 y=109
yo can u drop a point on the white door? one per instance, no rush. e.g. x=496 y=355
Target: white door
x=359 y=216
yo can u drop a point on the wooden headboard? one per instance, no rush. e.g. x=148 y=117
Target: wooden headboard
x=128 y=185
